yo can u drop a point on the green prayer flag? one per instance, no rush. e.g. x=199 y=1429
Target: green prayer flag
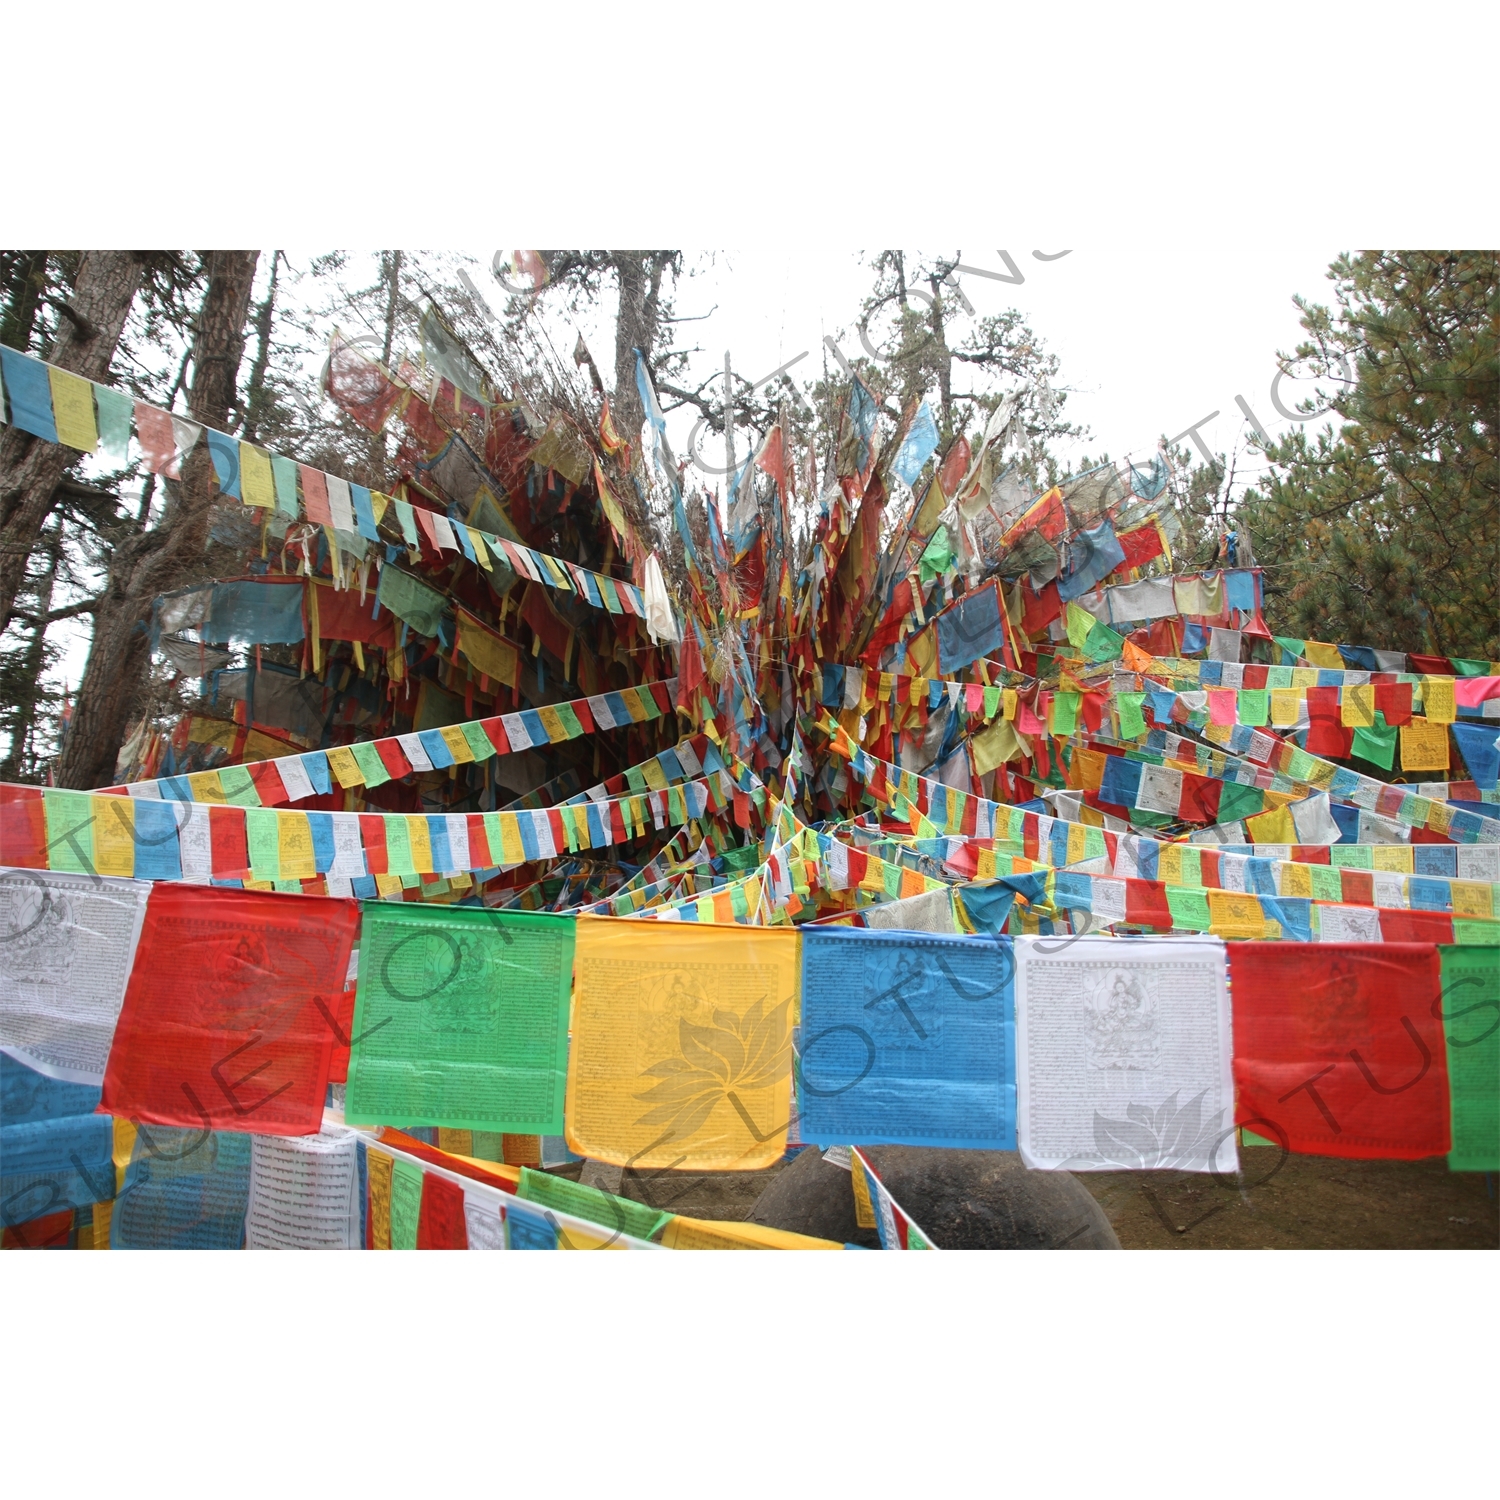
x=1278 y=677
x=70 y=831
x=478 y=741
x=1190 y=863
x=1476 y=932
x=406 y=1203
x=461 y=1019
x=1236 y=802
x=1064 y=713
x=371 y=767
x=1351 y=856
x=1253 y=707
x=1327 y=882
x=617 y=1215
x=238 y=787
x=1293 y=648
x=1189 y=908
x=1471 y=1025
x=1103 y=644
x=1466 y=668
x=569 y=719
x=992 y=699
x=284 y=477
x=1376 y=743
x=263 y=842
x=115 y=409
x=1132 y=721
x=410 y=599
x=398 y=862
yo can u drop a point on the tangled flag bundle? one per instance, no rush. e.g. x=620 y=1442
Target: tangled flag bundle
x=503 y=834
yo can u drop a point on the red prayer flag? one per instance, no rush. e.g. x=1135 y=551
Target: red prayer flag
x=1393 y=699
x=440 y=1221
x=23 y=827
x=479 y=843
x=228 y=1019
x=269 y=786
x=1398 y=925
x=315 y=496
x=372 y=835
x=226 y=833
x=1146 y=904
x=392 y=757
x=1338 y=1049
x=1200 y=798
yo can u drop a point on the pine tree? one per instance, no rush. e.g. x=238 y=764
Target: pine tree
x=1385 y=533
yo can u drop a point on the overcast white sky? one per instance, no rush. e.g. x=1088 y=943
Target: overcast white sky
x=1150 y=341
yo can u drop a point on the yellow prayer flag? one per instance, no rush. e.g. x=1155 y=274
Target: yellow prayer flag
x=1169 y=864
x=556 y=732
x=1321 y=654
x=656 y=778
x=631 y=697
x=1296 y=880
x=114 y=835
x=345 y=767
x=476 y=540
x=295 y=846
x=681 y=1053
x=1220 y=734
x=73 y=410
x=1078 y=841
x=1357 y=707
x=389 y=885
x=1304 y=678
x=379 y=1167
x=1437 y=702
x=458 y=747
x=1472 y=898
x=1232 y=914
x=1424 y=745
x=1284 y=705
x=709 y=1234
x=513 y=851
x=864 y=1210
x=256 y=484
x=420 y=838
x=206 y=787
x=458 y=1142
x=1273 y=827
x=1397 y=857
x=985 y=864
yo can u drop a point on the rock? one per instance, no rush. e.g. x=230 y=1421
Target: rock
x=962 y=1200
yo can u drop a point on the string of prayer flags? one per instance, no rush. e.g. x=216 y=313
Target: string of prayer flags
x=896 y=1228
x=682 y=1046
x=1358 y=1065
x=226 y=1021
x=461 y=1019
x=906 y=1039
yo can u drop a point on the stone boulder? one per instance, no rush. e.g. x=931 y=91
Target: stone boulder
x=962 y=1200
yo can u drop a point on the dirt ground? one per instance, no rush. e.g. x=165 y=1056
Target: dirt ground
x=1309 y=1203
x=1304 y=1203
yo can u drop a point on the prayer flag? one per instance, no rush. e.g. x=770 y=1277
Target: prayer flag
x=461 y=1019
x=225 y=1022
x=1338 y=1049
x=906 y=1039
x=681 y=1053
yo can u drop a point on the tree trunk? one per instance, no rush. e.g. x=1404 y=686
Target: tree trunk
x=631 y=334
x=30 y=467
x=145 y=565
x=32 y=661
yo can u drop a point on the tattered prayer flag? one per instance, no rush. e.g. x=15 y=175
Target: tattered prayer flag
x=681 y=1054
x=1357 y=1066
x=225 y=1023
x=114 y=409
x=461 y=1019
